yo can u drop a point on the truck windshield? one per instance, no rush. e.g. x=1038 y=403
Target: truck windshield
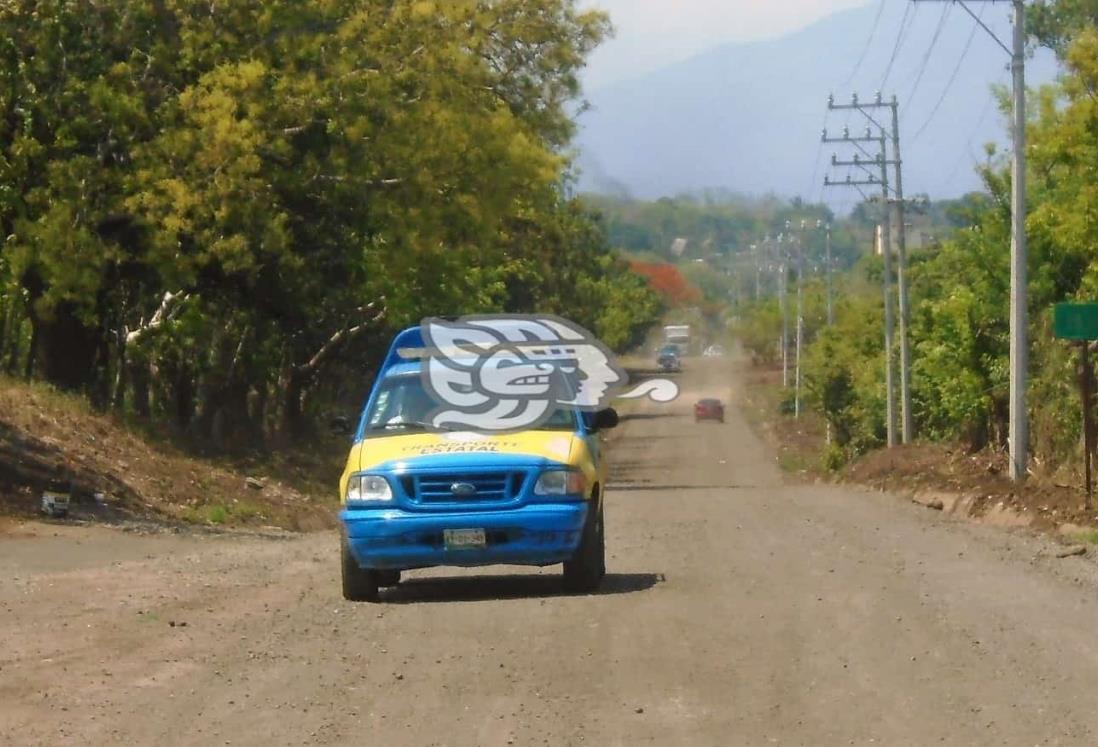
x=403 y=404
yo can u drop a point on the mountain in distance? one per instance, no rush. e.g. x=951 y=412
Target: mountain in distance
x=749 y=117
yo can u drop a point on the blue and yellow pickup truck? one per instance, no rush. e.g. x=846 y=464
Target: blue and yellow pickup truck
x=414 y=496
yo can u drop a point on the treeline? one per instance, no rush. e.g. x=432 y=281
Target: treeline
x=960 y=289
x=716 y=225
x=215 y=213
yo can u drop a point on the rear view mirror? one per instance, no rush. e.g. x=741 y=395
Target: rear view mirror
x=606 y=419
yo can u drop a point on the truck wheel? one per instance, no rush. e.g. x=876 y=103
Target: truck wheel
x=359 y=584
x=585 y=571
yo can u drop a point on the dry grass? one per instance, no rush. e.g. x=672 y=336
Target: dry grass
x=916 y=468
x=799 y=442
x=45 y=434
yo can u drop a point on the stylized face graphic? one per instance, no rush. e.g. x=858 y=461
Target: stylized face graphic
x=507 y=374
x=511 y=373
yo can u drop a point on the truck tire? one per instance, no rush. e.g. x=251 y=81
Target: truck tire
x=585 y=571
x=359 y=584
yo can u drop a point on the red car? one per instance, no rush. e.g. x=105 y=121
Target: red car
x=709 y=409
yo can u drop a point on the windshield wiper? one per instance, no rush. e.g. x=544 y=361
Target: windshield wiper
x=406 y=425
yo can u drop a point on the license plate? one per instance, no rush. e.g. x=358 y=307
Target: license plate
x=464 y=539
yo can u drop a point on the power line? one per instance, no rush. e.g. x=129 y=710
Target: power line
x=816 y=168
x=971 y=137
x=900 y=38
x=929 y=51
x=951 y=81
x=868 y=45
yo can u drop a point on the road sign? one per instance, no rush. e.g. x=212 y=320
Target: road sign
x=1076 y=321
x=1079 y=322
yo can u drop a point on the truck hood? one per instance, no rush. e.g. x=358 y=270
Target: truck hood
x=442 y=449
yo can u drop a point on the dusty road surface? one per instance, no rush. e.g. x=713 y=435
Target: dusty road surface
x=738 y=610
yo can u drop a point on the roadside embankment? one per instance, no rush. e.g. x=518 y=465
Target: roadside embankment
x=942 y=477
x=119 y=474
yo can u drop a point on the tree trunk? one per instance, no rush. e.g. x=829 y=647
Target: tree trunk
x=32 y=352
x=139 y=383
x=9 y=354
x=6 y=304
x=293 y=417
x=64 y=349
x=257 y=409
x=9 y=348
x=223 y=401
x=99 y=380
x=122 y=370
x=183 y=398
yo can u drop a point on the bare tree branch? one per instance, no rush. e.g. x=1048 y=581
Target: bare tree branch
x=169 y=307
x=391 y=182
x=339 y=338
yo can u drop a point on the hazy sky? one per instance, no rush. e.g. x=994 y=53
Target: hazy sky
x=653 y=33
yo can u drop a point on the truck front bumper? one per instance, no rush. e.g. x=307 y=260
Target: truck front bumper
x=393 y=539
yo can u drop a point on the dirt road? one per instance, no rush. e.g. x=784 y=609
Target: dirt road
x=738 y=610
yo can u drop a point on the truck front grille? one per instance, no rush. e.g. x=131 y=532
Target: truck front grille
x=493 y=487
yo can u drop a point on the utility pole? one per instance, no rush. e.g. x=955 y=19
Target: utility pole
x=901 y=280
x=883 y=241
x=897 y=199
x=800 y=317
x=758 y=272
x=800 y=314
x=1019 y=283
x=783 y=292
x=884 y=246
x=827 y=270
x=1019 y=286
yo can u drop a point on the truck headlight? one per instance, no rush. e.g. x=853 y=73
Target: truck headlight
x=368 y=488
x=561 y=482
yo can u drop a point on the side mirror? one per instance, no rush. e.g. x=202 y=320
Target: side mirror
x=606 y=419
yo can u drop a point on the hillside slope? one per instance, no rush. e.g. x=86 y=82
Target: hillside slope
x=748 y=116
x=46 y=436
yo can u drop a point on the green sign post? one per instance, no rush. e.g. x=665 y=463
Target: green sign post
x=1078 y=322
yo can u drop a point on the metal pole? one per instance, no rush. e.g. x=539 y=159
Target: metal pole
x=1019 y=350
x=800 y=322
x=890 y=414
x=890 y=322
x=782 y=291
x=907 y=418
x=830 y=303
x=1087 y=375
x=758 y=271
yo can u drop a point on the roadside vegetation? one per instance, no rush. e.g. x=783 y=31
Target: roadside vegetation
x=215 y=215
x=960 y=294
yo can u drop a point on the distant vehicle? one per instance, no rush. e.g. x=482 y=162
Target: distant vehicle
x=714 y=351
x=678 y=334
x=709 y=409
x=668 y=359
